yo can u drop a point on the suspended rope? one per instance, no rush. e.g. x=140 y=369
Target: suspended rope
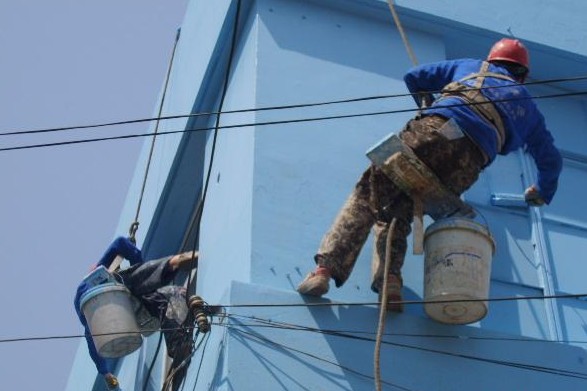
x=402 y=32
x=383 y=307
x=135 y=224
x=389 y=239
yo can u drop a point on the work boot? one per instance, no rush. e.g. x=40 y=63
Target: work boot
x=315 y=283
x=111 y=382
x=394 y=294
x=184 y=261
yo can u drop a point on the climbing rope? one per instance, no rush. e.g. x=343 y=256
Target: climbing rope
x=402 y=32
x=383 y=307
x=135 y=224
x=389 y=239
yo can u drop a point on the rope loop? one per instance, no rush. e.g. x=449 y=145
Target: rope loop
x=132 y=231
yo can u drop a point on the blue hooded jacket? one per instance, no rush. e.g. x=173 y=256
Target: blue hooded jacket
x=125 y=248
x=524 y=124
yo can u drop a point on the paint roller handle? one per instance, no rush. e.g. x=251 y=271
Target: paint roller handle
x=115 y=264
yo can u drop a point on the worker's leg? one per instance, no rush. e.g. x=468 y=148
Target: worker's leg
x=342 y=244
x=147 y=277
x=401 y=209
x=399 y=246
x=150 y=276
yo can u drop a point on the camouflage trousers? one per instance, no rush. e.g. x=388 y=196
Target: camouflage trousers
x=376 y=200
x=149 y=283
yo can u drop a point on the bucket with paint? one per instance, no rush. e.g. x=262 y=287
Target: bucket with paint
x=457 y=266
x=109 y=311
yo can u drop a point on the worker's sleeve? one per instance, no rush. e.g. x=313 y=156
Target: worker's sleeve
x=429 y=78
x=124 y=247
x=548 y=159
x=102 y=365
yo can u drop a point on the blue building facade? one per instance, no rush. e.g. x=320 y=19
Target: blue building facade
x=275 y=173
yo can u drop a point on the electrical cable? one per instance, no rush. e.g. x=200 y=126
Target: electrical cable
x=173 y=371
x=271 y=108
x=409 y=302
x=318 y=304
x=266 y=323
x=278 y=122
x=345 y=368
x=537 y=368
x=201 y=360
x=291 y=327
x=279 y=325
x=152 y=365
x=217 y=127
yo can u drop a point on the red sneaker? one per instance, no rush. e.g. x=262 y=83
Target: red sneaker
x=315 y=283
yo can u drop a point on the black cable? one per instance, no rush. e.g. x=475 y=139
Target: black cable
x=270 y=108
x=343 y=367
x=267 y=323
x=130 y=136
x=173 y=371
x=148 y=376
x=200 y=208
x=317 y=304
x=549 y=370
x=408 y=302
x=201 y=360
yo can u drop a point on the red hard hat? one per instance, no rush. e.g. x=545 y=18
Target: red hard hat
x=511 y=50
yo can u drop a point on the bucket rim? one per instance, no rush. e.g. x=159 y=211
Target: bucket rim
x=102 y=288
x=467 y=224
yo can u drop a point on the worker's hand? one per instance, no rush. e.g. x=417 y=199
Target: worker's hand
x=112 y=382
x=533 y=197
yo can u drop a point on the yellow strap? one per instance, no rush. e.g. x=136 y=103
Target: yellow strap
x=478 y=102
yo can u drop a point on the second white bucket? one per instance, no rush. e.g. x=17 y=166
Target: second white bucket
x=457 y=266
x=109 y=311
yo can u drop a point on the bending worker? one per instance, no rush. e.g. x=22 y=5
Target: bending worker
x=456 y=137
x=148 y=282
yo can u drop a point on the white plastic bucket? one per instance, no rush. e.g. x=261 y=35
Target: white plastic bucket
x=109 y=311
x=457 y=266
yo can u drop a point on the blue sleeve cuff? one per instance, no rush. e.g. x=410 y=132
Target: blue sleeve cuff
x=124 y=247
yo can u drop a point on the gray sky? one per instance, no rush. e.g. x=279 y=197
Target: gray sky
x=62 y=63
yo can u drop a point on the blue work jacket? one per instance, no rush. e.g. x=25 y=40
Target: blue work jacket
x=120 y=246
x=524 y=124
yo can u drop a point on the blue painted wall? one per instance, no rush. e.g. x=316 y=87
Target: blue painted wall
x=275 y=189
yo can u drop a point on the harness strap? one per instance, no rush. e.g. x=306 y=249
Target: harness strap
x=478 y=102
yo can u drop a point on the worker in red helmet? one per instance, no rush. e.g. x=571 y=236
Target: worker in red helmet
x=478 y=109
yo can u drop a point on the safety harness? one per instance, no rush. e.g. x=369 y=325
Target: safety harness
x=482 y=106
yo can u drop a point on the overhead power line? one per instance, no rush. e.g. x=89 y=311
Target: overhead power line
x=266 y=123
x=266 y=108
x=328 y=304
x=410 y=302
x=513 y=364
x=355 y=335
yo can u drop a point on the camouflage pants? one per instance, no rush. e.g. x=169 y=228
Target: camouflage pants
x=376 y=200
x=149 y=282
